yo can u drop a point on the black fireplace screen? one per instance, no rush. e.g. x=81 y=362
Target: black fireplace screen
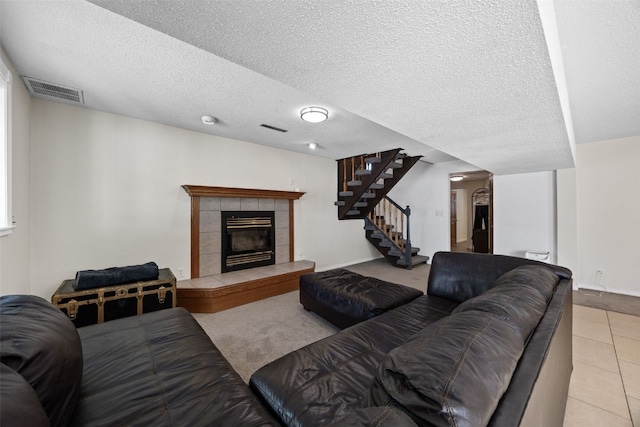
x=248 y=239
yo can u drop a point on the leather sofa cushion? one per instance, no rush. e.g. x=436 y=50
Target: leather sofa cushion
x=377 y=416
x=453 y=372
x=19 y=404
x=329 y=379
x=540 y=278
x=160 y=369
x=40 y=343
x=519 y=297
x=459 y=276
x=520 y=306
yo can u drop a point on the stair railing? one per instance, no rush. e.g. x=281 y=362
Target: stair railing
x=388 y=216
x=347 y=170
x=350 y=172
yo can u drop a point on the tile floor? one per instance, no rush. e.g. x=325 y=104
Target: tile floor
x=605 y=384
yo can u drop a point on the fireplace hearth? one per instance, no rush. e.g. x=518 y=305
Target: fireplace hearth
x=248 y=240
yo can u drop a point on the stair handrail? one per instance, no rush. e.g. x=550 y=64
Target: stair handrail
x=406 y=212
x=407 y=240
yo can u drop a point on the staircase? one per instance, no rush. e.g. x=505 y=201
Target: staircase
x=363 y=184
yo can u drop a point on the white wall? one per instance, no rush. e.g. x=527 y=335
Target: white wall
x=567 y=220
x=608 y=215
x=106 y=191
x=525 y=214
x=524 y=209
x=14 y=248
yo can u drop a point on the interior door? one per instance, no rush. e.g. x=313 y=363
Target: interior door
x=454 y=220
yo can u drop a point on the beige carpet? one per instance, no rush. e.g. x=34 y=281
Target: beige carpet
x=252 y=335
x=255 y=334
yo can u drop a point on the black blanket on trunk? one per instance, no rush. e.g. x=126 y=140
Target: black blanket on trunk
x=89 y=279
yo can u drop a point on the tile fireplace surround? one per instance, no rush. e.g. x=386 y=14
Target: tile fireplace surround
x=208 y=291
x=207 y=203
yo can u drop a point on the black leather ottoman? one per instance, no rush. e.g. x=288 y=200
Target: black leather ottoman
x=345 y=298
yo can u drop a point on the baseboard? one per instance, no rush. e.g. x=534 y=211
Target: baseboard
x=596 y=288
x=346 y=264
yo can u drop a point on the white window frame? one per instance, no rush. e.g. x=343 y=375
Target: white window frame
x=6 y=218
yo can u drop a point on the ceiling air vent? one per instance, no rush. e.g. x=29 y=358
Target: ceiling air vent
x=273 y=128
x=42 y=89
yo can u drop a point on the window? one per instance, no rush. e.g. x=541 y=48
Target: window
x=5 y=150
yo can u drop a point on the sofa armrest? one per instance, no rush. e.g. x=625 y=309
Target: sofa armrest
x=19 y=403
x=460 y=276
x=40 y=343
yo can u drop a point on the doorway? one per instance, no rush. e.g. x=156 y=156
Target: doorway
x=471 y=211
x=454 y=219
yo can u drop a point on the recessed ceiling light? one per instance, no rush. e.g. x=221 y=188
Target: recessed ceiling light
x=314 y=114
x=209 y=120
x=456 y=178
x=312 y=145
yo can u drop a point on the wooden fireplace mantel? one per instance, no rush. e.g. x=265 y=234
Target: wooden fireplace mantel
x=204 y=191
x=198 y=191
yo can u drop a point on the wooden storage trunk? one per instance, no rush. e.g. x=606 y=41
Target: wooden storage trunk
x=89 y=306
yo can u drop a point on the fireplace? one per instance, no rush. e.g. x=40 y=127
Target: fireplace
x=207 y=205
x=248 y=239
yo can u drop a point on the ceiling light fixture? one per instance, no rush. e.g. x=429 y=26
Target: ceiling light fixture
x=314 y=114
x=209 y=120
x=456 y=178
x=312 y=145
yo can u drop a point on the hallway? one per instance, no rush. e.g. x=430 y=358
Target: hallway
x=464 y=246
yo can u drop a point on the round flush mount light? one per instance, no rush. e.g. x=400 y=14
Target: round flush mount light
x=209 y=120
x=314 y=114
x=456 y=178
x=312 y=145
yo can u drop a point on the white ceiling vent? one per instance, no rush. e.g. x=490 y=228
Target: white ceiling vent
x=42 y=89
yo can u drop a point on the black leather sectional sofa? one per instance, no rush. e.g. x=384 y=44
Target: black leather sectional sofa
x=489 y=344
x=157 y=369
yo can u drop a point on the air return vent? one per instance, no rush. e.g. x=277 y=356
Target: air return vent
x=42 y=89
x=273 y=128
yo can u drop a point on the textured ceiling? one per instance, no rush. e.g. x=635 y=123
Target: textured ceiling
x=129 y=69
x=468 y=79
x=600 y=43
